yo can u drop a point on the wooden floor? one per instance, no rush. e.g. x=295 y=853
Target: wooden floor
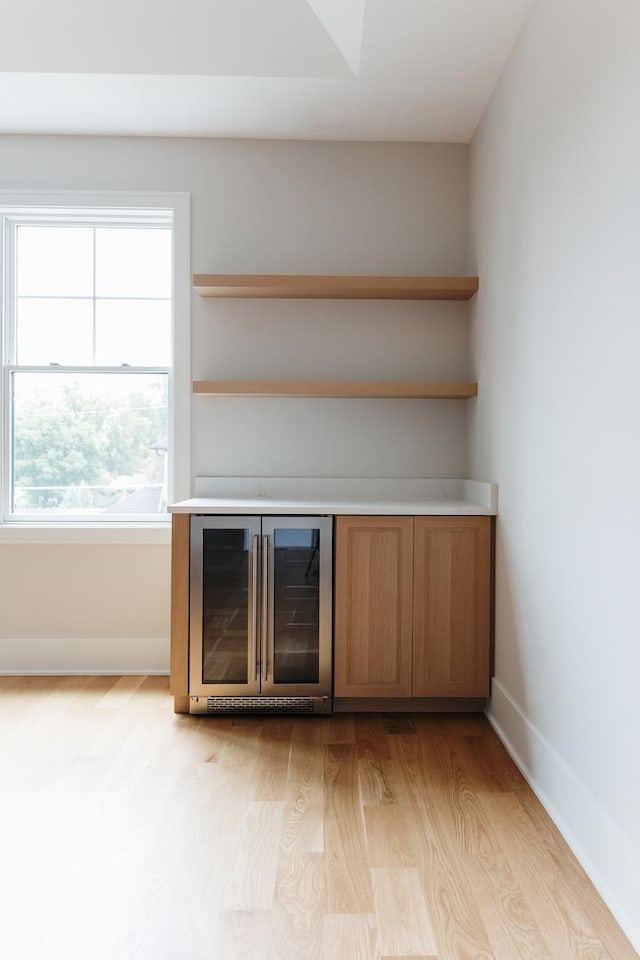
x=130 y=832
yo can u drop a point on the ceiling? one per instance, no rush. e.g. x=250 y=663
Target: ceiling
x=417 y=70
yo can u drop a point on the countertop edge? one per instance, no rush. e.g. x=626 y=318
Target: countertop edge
x=206 y=505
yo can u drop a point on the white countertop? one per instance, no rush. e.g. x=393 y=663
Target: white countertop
x=340 y=495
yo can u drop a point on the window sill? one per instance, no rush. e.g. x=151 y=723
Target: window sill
x=134 y=533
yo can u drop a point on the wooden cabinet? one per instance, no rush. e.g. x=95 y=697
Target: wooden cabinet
x=412 y=607
x=373 y=606
x=451 y=606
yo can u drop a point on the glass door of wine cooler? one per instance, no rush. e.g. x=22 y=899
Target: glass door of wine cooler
x=224 y=631
x=297 y=576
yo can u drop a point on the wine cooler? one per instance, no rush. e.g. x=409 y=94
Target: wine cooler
x=260 y=623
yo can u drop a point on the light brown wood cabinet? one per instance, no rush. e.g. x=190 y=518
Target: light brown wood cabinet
x=451 y=606
x=373 y=606
x=412 y=607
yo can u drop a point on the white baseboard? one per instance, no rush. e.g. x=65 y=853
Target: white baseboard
x=77 y=656
x=602 y=849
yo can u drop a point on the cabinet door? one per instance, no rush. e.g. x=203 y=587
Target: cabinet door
x=373 y=613
x=451 y=631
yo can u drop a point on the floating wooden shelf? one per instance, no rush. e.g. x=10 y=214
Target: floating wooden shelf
x=336 y=388
x=334 y=287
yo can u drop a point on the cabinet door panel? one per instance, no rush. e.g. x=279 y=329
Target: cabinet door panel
x=452 y=572
x=373 y=624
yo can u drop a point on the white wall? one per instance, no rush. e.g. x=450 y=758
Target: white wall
x=329 y=208
x=555 y=237
x=260 y=206
x=84 y=608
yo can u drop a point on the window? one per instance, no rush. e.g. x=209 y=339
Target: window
x=88 y=364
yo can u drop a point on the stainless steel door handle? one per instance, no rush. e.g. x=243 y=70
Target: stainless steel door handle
x=254 y=606
x=265 y=607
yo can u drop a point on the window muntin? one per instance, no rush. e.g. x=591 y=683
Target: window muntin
x=88 y=352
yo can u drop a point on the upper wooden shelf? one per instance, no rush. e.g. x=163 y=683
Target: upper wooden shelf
x=334 y=287
x=337 y=388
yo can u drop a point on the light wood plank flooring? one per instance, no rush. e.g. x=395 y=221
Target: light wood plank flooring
x=130 y=832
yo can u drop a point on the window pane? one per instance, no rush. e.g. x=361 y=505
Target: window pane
x=55 y=261
x=137 y=332
x=54 y=331
x=133 y=262
x=87 y=444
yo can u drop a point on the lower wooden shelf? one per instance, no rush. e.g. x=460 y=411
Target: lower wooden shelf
x=417 y=390
x=335 y=287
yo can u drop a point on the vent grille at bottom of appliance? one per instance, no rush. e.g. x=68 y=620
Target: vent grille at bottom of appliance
x=304 y=705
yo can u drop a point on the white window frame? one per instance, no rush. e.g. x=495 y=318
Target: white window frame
x=47 y=205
